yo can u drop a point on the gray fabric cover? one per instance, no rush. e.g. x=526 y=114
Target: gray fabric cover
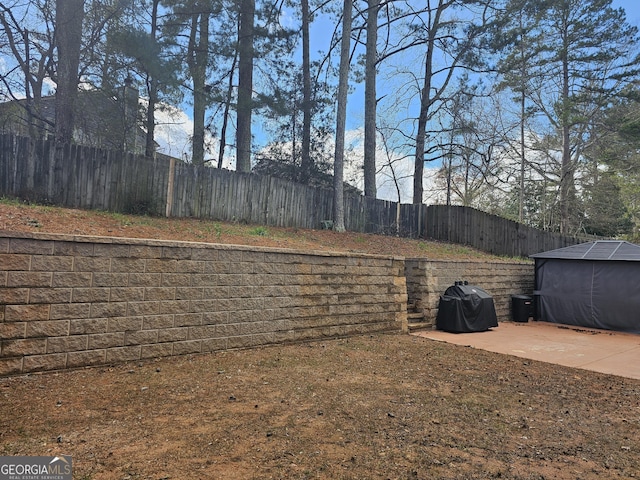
x=590 y=293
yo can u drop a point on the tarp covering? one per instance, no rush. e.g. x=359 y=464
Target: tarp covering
x=466 y=308
x=589 y=293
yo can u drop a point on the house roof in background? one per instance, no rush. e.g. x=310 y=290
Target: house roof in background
x=599 y=250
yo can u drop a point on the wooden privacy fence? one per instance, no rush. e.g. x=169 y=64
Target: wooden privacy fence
x=86 y=177
x=490 y=233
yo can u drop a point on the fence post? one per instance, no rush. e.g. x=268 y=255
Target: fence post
x=172 y=176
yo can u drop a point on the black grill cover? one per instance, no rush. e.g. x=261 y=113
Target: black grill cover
x=466 y=308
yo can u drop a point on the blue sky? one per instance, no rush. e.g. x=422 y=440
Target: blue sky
x=632 y=7
x=179 y=143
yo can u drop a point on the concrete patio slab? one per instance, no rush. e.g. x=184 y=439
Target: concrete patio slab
x=603 y=351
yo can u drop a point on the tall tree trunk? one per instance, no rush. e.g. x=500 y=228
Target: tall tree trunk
x=245 y=85
x=306 y=162
x=425 y=105
x=523 y=113
x=522 y=156
x=197 y=61
x=69 y=16
x=370 y=189
x=423 y=117
x=227 y=107
x=566 y=170
x=150 y=144
x=341 y=118
x=152 y=88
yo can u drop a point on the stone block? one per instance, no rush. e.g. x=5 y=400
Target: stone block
x=111 y=250
x=70 y=310
x=214 y=344
x=13 y=295
x=141 y=337
x=143 y=308
x=152 y=322
x=214 y=318
x=204 y=306
x=145 y=279
x=205 y=280
x=188 y=293
x=215 y=292
x=74 y=249
x=50 y=295
x=16 y=262
x=123 y=354
x=88 y=325
x=220 y=267
x=106 y=340
x=123 y=324
x=126 y=294
x=72 y=279
x=206 y=254
x=86 y=358
x=190 y=266
x=53 y=361
x=173 y=334
x=50 y=263
x=161 y=265
x=145 y=251
x=26 y=313
x=67 y=344
x=92 y=264
x=187 y=347
x=29 y=279
x=175 y=280
x=160 y=293
x=174 y=306
x=108 y=309
x=226 y=255
x=22 y=346
x=248 y=341
x=200 y=332
x=31 y=246
x=156 y=350
x=13 y=330
x=187 y=319
x=10 y=366
x=177 y=253
x=128 y=265
x=90 y=295
x=242 y=292
x=53 y=328
x=101 y=279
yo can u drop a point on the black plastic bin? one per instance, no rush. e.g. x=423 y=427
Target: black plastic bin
x=521 y=308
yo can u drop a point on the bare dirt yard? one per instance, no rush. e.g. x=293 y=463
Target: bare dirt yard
x=370 y=407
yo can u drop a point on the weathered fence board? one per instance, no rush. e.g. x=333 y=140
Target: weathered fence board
x=491 y=233
x=85 y=177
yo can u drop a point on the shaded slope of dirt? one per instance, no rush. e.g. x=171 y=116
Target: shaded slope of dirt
x=34 y=218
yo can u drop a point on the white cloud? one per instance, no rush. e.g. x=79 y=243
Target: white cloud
x=173 y=134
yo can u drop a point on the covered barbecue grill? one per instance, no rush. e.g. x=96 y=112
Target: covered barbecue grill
x=466 y=308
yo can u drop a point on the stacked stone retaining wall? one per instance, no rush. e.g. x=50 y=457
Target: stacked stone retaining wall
x=68 y=302
x=428 y=279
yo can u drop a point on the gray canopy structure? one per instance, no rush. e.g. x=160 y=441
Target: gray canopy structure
x=595 y=284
